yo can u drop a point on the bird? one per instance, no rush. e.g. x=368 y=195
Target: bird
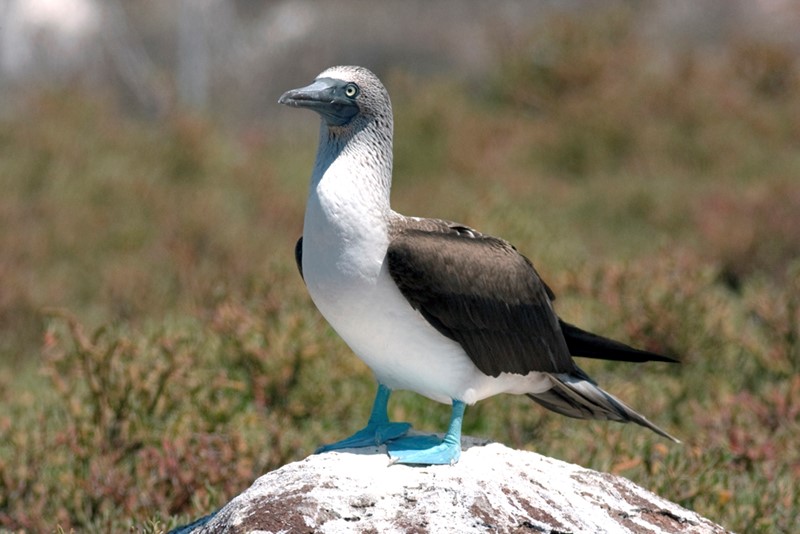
x=430 y=305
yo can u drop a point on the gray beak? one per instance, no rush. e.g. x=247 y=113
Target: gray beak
x=326 y=97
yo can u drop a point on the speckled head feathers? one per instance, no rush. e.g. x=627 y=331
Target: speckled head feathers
x=349 y=99
x=373 y=99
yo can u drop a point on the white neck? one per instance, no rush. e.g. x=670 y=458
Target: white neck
x=345 y=232
x=356 y=162
x=352 y=178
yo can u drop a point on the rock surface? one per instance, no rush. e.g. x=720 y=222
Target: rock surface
x=491 y=489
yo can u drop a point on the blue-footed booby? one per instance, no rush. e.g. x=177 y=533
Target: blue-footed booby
x=430 y=306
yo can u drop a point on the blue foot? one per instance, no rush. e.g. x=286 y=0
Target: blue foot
x=369 y=436
x=429 y=450
x=424 y=450
x=379 y=429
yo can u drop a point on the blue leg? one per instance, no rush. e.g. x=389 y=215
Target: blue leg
x=428 y=450
x=379 y=429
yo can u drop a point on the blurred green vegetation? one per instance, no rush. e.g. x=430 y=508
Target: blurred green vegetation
x=158 y=351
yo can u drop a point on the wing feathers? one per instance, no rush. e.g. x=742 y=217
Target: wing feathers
x=298 y=255
x=479 y=291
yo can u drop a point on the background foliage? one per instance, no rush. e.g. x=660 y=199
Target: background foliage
x=158 y=351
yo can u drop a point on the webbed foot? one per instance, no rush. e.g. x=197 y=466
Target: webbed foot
x=424 y=450
x=371 y=435
x=379 y=429
x=429 y=450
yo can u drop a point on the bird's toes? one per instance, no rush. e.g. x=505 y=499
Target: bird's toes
x=424 y=450
x=370 y=436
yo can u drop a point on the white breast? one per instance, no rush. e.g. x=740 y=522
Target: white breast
x=345 y=238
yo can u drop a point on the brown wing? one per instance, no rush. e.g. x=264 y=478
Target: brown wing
x=479 y=291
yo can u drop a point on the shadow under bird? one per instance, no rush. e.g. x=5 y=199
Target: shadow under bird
x=429 y=305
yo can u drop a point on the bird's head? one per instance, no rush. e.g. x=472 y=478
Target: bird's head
x=345 y=97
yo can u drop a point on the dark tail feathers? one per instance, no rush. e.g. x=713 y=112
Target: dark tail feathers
x=588 y=345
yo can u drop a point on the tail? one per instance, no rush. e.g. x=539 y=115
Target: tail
x=576 y=395
x=583 y=343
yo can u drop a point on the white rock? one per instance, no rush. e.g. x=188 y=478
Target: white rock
x=491 y=489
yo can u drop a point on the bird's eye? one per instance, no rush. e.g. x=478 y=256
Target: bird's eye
x=351 y=90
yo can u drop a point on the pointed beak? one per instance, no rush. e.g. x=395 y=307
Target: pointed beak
x=326 y=97
x=317 y=94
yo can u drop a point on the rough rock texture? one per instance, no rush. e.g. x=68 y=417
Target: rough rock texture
x=492 y=489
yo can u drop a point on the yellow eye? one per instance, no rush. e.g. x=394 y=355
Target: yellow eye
x=351 y=90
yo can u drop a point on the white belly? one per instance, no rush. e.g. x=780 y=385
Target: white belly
x=357 y=296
